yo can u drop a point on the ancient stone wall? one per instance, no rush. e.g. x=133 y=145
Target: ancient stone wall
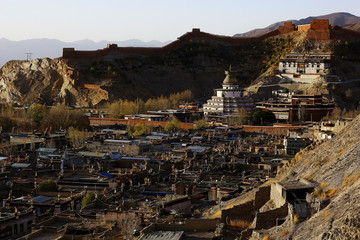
x=319 y=29
x=196 y=34
x=244 y=212
x=276 y=194
x=287 y=28
x=304 y=27
x=265 y=220
x=262 y=196
x=319 y=24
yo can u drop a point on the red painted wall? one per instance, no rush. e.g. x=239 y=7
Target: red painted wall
x=132 y=122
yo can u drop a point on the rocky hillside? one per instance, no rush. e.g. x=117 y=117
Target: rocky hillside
x=44 y=81
x=334 y=165
x=196 y=65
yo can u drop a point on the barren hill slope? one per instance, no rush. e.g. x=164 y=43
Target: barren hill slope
x=354 y=27
x=334 y=164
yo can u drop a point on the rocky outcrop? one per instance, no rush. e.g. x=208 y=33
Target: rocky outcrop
x=44 y=81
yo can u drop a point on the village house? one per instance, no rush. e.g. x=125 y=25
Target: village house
x=295 y=145
x=305 y=67
x=299 y=107
x=15 y=223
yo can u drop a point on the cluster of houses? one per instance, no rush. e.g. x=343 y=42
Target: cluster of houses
x=162 y=185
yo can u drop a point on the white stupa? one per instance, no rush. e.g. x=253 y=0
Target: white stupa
x=228 y=99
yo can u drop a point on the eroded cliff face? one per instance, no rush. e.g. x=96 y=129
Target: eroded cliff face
x=44 y=81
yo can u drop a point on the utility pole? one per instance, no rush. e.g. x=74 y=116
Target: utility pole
x=28 y=56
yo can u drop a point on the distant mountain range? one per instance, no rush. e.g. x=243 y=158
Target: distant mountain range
x=342 y=19
x=52 y=48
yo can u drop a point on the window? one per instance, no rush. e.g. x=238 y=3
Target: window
x=8 y=231
x=29 y=223
x=15 y=229
x=22 y=227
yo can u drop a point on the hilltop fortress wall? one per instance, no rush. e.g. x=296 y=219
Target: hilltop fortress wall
x=71 y=53
x=113 y=49
x=318 y=30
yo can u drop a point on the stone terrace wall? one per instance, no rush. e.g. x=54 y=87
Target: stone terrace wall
x=247 y=211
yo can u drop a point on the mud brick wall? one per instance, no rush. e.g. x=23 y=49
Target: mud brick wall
x=305 y=27
x=272 y=130
x=243 y=212
x=246 y=234
x=262 y=196
x=287 y=28
x=276 y=194
x=319 y=29
x=265 y=220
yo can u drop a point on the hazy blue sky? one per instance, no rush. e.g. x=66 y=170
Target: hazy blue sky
x=71 y=20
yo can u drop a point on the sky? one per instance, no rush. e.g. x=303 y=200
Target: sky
x=163 y=20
